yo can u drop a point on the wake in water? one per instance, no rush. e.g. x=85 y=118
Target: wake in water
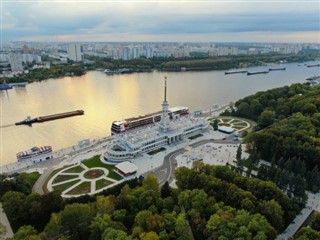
x=8 y=125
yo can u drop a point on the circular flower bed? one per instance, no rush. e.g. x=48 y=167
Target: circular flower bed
x=92 y=174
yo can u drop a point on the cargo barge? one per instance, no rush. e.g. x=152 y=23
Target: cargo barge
x=314 y=65
x=277 y=69
x=29 y=120
x=261 y=72
x=235 y=71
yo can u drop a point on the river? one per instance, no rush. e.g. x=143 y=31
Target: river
x=107 y=98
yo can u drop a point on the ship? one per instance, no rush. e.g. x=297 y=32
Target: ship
x=29 y=120
x=235 y=71
x=277 y=69
x=314 y=65
x=261 y=72
x=131 y=123
x=4 y=86
x=36 y=154
x=313 y=78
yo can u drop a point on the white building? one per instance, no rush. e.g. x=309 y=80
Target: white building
x=15 y=62
x=75 y=52
x=128 y=145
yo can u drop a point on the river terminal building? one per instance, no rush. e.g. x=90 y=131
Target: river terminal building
x=168 y=131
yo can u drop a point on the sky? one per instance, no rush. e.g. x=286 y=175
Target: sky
x=157 y=21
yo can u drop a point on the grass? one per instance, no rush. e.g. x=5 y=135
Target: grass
x=102 y=183
x=235 y=121
x=195 y=136
x=237 y=127
x=225 y=119
x=84 y=187
x=32 y=177
x=156 y=151
x=95 y=162
x=44 y=187
x=60 y=188
x=62 y=178
x=77 y=169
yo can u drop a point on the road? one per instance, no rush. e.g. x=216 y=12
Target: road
x=165 y=171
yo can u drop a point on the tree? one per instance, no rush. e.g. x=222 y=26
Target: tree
x=26 y=233
x=3 y=231
x=273 y=212
x=182 y=228
x=239 y=152
x=266 y=118
x=151 y=183
x=149 y=236
x=165 y=190
x=12 y=203
x=113 y=234
x=76 y=219
x=141 y=218
x=105 y=204
x=215 y=124
x=53 y=229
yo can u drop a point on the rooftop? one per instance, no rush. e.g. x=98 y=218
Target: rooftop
x=126 y=167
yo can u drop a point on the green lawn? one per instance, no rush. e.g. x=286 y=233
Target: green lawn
x=102 y=183
x=32 y=177
x=95 y=162
x=77 y=169
x=60 y=188
x=62 y=178
x=235 y=121
x=84 y=187
x=44 y=187
x=225 y=119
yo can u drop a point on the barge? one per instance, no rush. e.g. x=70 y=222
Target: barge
x=261 y=72
x=29 y=120
x=235 y=71
x=277 y=69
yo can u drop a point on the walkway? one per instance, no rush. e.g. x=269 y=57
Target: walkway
x=5 y=222
x=313 y=203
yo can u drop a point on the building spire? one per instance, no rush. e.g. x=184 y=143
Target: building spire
x=165 y=88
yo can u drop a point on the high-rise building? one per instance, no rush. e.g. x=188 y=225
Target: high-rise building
x=15 y=62
x=75 y=52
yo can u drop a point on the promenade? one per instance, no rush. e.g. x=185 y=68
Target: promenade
x=5 y=222
x=313 y=203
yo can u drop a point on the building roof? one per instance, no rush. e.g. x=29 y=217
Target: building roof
x=226 y=129
x=127 y=167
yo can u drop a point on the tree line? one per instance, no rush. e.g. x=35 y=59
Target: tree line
x=287 y=134
x=211 y=202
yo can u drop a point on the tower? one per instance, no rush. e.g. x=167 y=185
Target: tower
x=165 y=120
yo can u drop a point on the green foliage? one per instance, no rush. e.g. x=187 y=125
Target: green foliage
x=306 y=233
x=42 y=74
x=26 y=233
x=289 y=122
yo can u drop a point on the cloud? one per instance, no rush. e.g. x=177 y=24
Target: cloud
x=65 y=20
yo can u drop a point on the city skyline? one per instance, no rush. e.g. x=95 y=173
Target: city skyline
x=170 y=21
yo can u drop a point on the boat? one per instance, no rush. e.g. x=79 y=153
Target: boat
x=277 y=69
x=313 y=78
x=36 y=154
x=314 y=65
x=4 y=86
x=21 y=84
x=29 y=120
x=131 y=123
x=235 y=71
x=261 y=72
